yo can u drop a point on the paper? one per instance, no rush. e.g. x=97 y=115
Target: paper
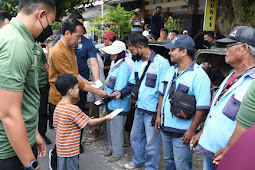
x=97 y=84
x=98 y=102
x=116 y=112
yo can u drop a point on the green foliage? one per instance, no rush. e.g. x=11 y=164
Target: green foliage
x=174 y=24
x=56 y=25
x=10 y=6
x=66 y=7
x=117 y=18
x=247 y=10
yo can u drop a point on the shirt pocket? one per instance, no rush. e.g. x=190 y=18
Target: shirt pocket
x=231 y=108
x=151 y=80
x=182 y=88
x=111 y=82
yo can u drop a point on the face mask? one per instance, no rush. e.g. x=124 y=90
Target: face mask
x=45 y=33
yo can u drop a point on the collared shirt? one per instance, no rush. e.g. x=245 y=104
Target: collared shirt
x=195 y=82
x=41 y=59
x=83 y=51
x=148 y=96
x=18 y=74
x=117 y=78
x=62 y=60
x=221 y=120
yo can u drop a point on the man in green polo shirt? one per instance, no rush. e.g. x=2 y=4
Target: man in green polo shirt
x=19 y=94
x=209 y=37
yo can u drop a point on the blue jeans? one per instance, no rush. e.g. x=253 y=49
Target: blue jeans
x=176 y=154
x=115 y=135
x=68 y=163
x=145 y=142
x=208 y=164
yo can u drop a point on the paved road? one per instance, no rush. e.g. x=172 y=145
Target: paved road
x=93 y=159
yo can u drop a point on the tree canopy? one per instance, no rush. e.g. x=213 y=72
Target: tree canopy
x=64 y=7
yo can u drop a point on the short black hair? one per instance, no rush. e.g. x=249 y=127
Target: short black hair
x=70 y=24
x=76 y=16
x=147 y=25
x=165 y=29
x=209 y=34
x=177 y=32
x=29 y=6
x=190 y=53
x=5 y=15
x=138 y=39
x=158 y=7
x=65 y=82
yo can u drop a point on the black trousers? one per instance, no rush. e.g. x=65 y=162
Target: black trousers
x=13 y=163
x=43 y=114
x=130 y=120
x=51 y=111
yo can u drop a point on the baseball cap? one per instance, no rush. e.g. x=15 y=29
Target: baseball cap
x=243 y=34
x=109 y=35
x=183 y=41
x=116 y=47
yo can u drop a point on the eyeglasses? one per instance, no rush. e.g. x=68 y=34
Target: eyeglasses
x=131 y=50
x=233 y=44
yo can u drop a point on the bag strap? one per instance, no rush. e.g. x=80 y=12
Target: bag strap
x=172 y=87
x=145 y=70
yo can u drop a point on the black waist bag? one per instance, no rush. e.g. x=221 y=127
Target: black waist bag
x=183 y=105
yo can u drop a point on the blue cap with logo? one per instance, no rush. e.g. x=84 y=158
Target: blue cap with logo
x=183 y=41
x=243 y=34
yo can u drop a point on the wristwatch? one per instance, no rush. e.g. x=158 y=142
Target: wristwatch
x=33 y=165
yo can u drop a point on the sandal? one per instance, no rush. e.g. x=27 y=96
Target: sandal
x=91 y=139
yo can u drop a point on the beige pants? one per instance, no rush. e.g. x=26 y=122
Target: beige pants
x=94 y=111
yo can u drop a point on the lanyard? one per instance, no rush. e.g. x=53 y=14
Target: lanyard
x=225 y=89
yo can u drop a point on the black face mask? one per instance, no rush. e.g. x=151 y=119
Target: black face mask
x=45 y=33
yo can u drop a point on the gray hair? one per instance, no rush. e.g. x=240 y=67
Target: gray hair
x=252 y=50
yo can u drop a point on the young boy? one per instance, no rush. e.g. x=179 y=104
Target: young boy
x=68 y=120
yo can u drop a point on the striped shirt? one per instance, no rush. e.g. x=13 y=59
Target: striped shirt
x=136 y=26
x=68 y=121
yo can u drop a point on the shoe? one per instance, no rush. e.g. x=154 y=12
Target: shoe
x=108 y=153
x=113 y=159
x=52 y=159
x=130 y=165
x=47 y=140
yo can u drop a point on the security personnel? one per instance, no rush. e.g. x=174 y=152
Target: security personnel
x=191 y=79
x=145 y=141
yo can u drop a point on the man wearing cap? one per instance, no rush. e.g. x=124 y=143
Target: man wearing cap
x=191 y=79
x=145 y=141
x=222 y=120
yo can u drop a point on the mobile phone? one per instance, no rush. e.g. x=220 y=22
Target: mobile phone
x=135 y=13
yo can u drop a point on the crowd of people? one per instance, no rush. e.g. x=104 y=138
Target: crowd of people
x=162 y=103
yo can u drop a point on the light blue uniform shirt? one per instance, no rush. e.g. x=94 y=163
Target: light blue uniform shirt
x=117 y=78
x=195 y=81
x=221 y=120
x=148 y=96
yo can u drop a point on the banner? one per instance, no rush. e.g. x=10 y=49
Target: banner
x=210 y=15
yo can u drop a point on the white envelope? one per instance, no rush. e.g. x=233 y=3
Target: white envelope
x=97 y=84
x=116 y=112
